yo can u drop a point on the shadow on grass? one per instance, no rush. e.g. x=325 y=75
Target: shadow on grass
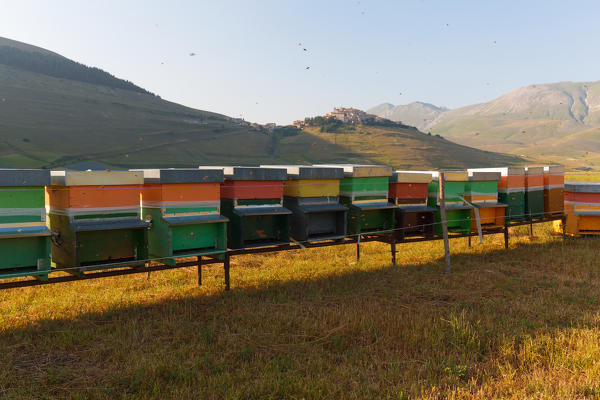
x=359 y=332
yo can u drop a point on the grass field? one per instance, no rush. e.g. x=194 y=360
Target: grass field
x=314 y=324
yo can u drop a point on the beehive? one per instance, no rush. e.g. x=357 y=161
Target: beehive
x=582 y=208
x=97 y=217
x=183 y=206
x=534 y=192
x=252 y=199
x=458 y=213
x=511 y=191
x=312 y=194
x=482 y=192
x=364 y=190
x=408 y=191
x=554 y=196
x=24 y=237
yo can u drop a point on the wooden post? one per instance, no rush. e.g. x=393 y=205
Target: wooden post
x=505 y=236
x=199 y=270
x=444 y=223
x=531 y=230
x=469 y=241
x=358 y=248
x=226 y=267
x=393 y=248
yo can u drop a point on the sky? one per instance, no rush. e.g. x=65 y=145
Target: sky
x=250 y=60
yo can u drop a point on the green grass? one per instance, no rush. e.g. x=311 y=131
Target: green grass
x=315 y=324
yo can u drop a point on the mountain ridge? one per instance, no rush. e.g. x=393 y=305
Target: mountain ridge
x=540 y=120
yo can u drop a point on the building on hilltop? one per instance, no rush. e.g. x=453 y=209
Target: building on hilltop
x=352 y=115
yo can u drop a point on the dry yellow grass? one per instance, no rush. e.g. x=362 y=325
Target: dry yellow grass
x=313 y=324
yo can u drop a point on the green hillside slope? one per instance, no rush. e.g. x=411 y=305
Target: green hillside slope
x=74 y=116
x=410 y=149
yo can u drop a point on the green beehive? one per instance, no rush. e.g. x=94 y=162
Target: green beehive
x=511 y=190
x=183 y=208
x=364 y=190
x=96 y=215
x=458 y=213
x=482 y=192
x=24 y=237
x=534 y=192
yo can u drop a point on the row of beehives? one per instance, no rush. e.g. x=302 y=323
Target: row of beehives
x=102 y=218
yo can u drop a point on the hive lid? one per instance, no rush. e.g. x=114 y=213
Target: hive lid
x=251 y=173
x=361 y=170
x=24 y=177
x=505 y=171
x=411 y=177
x=484 y=176
x=309 y=172
x=451 y=176
x=534 y=170
x=554 y=169
x=182 y=175
x=95 y=178
x=582 y=187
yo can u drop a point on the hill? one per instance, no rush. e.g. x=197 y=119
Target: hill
x=409 y=148
x=55 y=112
x=556 y=121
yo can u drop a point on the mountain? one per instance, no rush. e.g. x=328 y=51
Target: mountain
x=55 y=112
x=556 y=122
x=415 y=114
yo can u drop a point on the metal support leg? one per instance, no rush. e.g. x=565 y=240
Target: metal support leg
x=531 y=230
x=505 y=237
x=469 y=241
x=226 y=267
x=199 y=270
x=393 y=248
x=358 y=249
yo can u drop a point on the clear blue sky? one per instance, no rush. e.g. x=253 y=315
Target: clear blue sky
x=360 y=53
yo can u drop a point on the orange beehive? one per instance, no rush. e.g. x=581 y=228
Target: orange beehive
x=582 y=208
x=554 y=182
x=97 y=217
x=183 y=205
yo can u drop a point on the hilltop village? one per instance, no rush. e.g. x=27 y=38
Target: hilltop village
x=342 y=115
